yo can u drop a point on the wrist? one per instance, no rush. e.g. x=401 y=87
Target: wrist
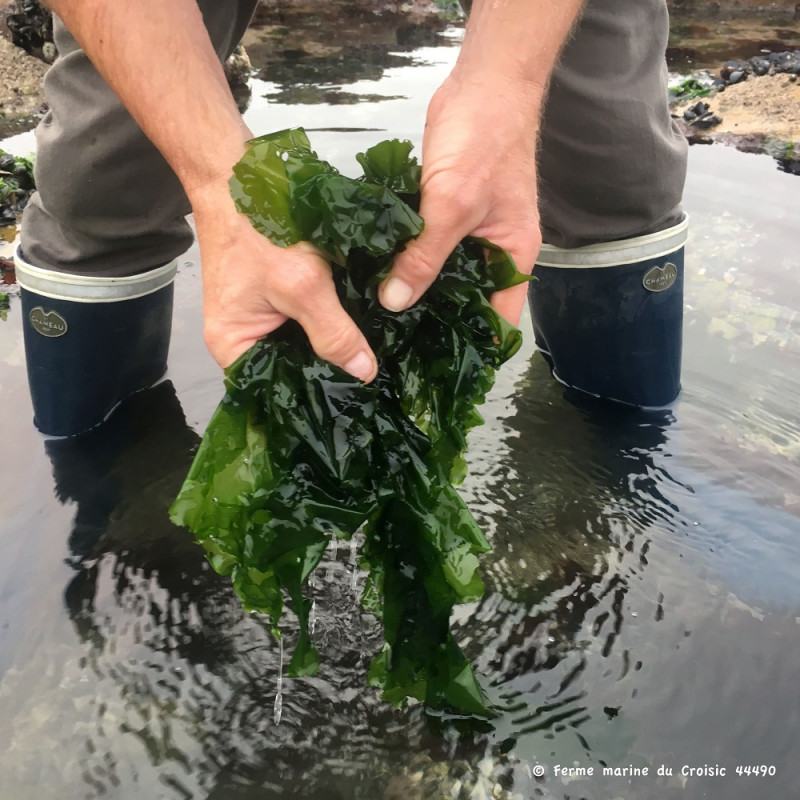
x=206 y=181
x=505 y=73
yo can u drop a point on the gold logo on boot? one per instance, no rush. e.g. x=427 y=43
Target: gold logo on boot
x=48 y=323
x=659 y=279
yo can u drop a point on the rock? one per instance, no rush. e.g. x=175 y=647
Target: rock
x=16 y=185
x=700 y=116
x=31 y=28
x=786 y=61
x=238 y=70
x=707 y=121
x=695 y=112
x=790 y=165
x=760 y=65
x=734 y=65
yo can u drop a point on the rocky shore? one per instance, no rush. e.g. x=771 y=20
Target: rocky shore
x=752 y=104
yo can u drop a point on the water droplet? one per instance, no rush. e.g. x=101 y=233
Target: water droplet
x=353 y=566
x=277 y=709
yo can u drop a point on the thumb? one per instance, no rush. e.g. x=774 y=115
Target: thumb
x=416 y=268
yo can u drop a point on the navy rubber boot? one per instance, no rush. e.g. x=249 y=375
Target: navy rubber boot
x=609 y=317
x=90 y=342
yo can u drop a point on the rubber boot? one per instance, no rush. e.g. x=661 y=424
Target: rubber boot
x=609 y=317
x=91 y=341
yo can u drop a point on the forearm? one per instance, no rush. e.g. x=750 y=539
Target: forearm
x=158 y=58
x=514 y=44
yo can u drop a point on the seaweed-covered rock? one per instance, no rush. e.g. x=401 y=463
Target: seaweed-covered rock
x=16 y=185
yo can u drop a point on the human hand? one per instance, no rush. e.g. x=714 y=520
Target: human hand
x=251 y=287
x=479 y=179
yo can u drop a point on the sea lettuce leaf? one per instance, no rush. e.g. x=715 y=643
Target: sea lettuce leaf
x=299 y=451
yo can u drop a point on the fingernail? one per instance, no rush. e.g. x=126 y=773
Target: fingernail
x=396 y=294
x=361 y=366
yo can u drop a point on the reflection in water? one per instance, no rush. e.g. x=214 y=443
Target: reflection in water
x=332 y=53
x=573 y=505
x=601 y=631
x=170 y=688
x=183 y=682
x=697 y=43
x=319 y=79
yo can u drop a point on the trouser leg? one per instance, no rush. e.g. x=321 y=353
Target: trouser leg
x=607 y=302
x=99 y=240
x=107 y=203
x=611 y=163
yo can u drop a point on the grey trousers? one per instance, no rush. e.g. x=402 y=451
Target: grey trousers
x=611 y=165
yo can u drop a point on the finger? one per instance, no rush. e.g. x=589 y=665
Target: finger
x=510 y=302
x=307 y=294
x=416 y=268
x=335 y=337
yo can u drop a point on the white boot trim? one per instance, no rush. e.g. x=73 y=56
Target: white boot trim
x=90 y=288
x=618 y=253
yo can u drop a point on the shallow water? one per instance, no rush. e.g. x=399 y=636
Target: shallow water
x=700 y=40
x=643 y=595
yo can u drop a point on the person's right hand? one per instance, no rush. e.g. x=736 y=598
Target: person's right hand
x=478 y=179
x=251 y=286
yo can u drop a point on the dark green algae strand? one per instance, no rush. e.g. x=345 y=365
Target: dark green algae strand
x=299 y=451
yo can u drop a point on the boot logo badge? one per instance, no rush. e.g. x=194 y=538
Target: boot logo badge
x=48 y=323
x=659 y=279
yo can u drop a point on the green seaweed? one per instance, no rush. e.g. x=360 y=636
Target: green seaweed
x=16 y=184
x=689 y=89
x=299 y=451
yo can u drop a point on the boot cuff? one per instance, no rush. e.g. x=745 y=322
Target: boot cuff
x=88 y=288
x=617 y=253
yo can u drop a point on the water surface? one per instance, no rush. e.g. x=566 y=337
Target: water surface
x=643 y=594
